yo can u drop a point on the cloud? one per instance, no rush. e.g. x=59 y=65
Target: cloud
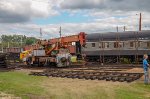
x=17 y=11
x=98 y=25
x=125 y=5
x=102 y=16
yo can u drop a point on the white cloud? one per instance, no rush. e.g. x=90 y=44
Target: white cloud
x=104 y=16
x=52 y=30
x=14 y=11
x=125 y=5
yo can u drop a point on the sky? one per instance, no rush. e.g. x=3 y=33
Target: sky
x=26 y=17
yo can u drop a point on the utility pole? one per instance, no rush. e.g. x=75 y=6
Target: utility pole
x=60 y=40
x=21 y=41
x=60 y=32
x=1 y=41
x=124 y=28
x=140 y=22
x=117 y=28
x=8 y=45
x=41 y=33
x=117 y=45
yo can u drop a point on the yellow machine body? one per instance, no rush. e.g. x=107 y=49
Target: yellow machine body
x=24 y=54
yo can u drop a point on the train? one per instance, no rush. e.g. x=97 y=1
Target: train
x=106 y=48
x=117 y=47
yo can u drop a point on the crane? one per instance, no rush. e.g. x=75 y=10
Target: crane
x=57 y=51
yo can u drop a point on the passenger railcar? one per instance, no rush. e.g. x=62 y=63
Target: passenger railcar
x=118 y=47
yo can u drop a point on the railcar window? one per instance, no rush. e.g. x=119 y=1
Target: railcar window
x=121 y=44
x=106 y=45
x=93 y=44
x=102 y=45
x=139 y=43
x=148 y=44
x=116 y=44
x=131 y=44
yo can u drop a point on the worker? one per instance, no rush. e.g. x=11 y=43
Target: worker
x=146 y=66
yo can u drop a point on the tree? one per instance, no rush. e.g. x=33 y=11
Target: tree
x=17 y=40
x=29 y=41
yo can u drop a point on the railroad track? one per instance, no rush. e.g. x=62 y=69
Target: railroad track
x=90 y=75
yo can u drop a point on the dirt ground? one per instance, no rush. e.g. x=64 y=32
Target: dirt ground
x=76 y=85
x=7 y=96
x=135 y=70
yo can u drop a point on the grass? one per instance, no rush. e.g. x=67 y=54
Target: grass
x=25 y=86
x=20 y=84
x=134 y=91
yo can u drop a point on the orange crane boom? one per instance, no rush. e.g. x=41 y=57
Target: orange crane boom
x=69 y=39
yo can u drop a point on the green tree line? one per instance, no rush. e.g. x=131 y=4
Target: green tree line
x=16 y=40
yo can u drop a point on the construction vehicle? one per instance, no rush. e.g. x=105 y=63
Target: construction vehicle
x=61 y=52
